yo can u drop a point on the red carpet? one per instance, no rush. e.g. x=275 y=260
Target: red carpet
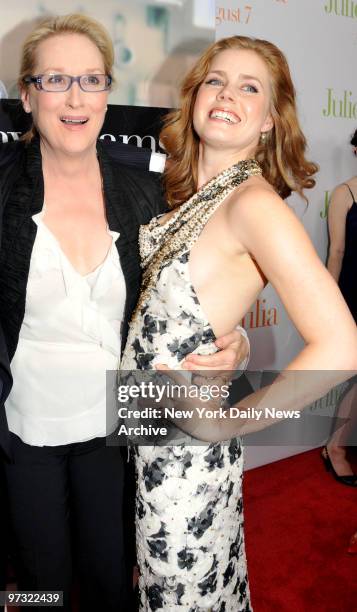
x=298 y=521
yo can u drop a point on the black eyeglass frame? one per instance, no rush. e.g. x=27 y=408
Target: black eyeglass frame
x=36 y=79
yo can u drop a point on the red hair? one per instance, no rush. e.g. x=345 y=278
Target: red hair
x=282 y=156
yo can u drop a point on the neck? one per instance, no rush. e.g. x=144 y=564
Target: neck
x=58 y=164
x=213 y=161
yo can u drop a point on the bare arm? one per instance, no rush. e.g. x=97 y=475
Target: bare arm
x=337 y=212
x=272 y=234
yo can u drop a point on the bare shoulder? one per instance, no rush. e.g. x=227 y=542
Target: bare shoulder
x=256 y=199
x=352 y=180
x=261 y=222
x=341 y=191
x=352 y=183
x=341 y=198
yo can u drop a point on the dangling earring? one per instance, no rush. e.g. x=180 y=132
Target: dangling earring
x=263 y=138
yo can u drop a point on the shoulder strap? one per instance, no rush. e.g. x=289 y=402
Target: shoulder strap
x=349 y=189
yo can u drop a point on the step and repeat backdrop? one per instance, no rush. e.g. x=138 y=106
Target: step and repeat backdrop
x=319 y=38
x=155 y=41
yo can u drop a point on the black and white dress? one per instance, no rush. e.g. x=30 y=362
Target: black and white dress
x=189 y=508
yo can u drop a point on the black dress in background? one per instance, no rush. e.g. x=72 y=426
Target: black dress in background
x=348 y=276
x=348 y=285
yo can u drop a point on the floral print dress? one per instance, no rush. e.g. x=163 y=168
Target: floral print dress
x=189 y=508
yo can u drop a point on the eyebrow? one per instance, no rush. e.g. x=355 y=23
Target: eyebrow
x=242 y=76
x=62 y=71
x=250 y=77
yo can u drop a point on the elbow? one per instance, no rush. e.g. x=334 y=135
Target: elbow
x=349 y=365
x=335 y=256
x=338 y=352
x=351 y=349
x=347 y=357
x=344 y=343
x=338 y=252
x=354 y=362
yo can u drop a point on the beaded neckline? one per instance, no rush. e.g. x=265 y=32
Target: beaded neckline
x=159 y=244
x=234 y=175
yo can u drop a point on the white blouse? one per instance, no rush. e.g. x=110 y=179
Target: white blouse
x=69 y=338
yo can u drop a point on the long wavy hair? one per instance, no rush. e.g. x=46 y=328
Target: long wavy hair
x=281 y=156
x=73 y=23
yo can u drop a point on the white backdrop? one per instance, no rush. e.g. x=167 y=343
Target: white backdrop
x=319 y=38
x=155 y=41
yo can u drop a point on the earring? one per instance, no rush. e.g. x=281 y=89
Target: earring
x=263 y=138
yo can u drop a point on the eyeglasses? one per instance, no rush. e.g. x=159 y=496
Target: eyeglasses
x=63 y=82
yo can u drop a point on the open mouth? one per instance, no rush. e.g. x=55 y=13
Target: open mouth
x=74 y=120
x=226 y=116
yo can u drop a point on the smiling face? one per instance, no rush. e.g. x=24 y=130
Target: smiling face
x=69 y=121
x=232 y=106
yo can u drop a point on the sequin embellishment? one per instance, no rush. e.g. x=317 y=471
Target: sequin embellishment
x=184 y=227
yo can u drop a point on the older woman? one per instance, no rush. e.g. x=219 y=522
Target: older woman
x=69 y=279
x=236 y=149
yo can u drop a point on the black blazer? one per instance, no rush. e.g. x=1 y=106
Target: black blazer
x=7 y=165
x=132 y=197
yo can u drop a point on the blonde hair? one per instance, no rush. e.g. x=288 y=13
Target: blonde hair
x=281 y=156
x=74 y=23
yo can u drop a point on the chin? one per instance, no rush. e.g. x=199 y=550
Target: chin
x=220 y=141
x=76 y=146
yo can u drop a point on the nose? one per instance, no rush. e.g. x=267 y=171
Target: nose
x=74 y=95
x=226 y=93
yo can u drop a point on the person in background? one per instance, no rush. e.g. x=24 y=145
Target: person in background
x=342 y=264
x=69 y=280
